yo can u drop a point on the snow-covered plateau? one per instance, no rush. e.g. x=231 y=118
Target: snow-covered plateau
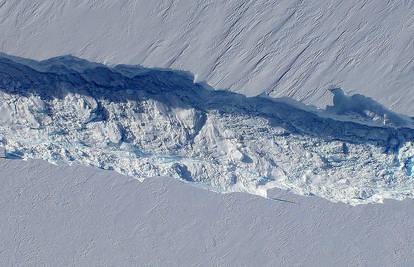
x=82 y=216
x=290 y=48
x=146 y=122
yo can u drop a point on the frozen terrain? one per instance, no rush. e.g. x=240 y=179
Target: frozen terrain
x=304 y=105
x=157 y=122
x=280 y=47
x=77 y=216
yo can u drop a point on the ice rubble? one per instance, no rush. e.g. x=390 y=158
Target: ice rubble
x=150 y=122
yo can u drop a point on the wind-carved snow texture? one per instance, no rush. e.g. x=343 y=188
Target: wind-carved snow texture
x=290 y=48
x=152 y=122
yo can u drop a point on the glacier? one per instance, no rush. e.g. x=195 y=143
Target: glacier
x=146 y=122
x=290 y=48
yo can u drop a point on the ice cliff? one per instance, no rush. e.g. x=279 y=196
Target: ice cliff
x=290 y=48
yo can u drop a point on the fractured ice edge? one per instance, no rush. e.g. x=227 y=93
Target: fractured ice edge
x=157 y=122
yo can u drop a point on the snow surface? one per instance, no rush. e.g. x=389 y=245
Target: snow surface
x=78 y=216
x=281 y=47
x=157 y=122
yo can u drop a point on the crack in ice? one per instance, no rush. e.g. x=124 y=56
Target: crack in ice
x=156 y=122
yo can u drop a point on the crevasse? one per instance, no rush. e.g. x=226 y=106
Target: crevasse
x=150 y=122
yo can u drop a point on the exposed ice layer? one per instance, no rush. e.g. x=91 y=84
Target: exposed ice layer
x=291 y=48
x=151 y=122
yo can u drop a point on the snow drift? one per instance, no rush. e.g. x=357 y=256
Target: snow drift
x=290 y=48
x=151 y=122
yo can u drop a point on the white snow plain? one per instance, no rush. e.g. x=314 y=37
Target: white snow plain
x=81 y=216
x=280 y=47
x=151 y=122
